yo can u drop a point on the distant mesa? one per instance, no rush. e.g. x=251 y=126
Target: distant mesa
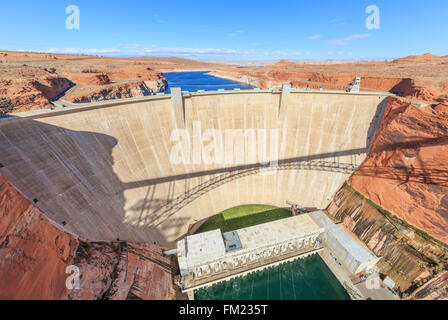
x=284 y=62
x=420 y=58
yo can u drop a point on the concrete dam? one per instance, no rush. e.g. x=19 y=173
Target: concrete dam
x=105 y=171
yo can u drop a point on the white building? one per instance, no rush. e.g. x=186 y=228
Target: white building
x=354 y=255
x=211 y=257
x=200 y=249
x=211 y=252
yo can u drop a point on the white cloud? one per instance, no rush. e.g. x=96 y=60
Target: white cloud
x=315 y=37
x=337 y=42
x=141 y=50
x=348 y=39
x=138 y=50
x=83 y=51
x=338 y=21
x=357 y=36
x=335 y=20
x=158 y=19
x=236 y=33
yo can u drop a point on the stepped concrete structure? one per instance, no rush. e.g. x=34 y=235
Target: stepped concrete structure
x=103 y=171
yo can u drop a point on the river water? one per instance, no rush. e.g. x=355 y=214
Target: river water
x=303 y=279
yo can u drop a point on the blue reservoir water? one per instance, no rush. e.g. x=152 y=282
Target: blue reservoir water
x=199 y=80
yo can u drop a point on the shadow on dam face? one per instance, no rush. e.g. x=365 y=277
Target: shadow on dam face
x=66 y=171
x=113 y=179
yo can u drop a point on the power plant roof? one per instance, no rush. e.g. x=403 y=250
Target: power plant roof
x=272 y=233
x=204 y=248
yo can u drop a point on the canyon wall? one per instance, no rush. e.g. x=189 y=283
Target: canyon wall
x=31 y=88
x=33 y=253
x=34 y=256
x=104 y=172
x=33 y=81
x=406 y=171
x=408 y=256
x=399 y=208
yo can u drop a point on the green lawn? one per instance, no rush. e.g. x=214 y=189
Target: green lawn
x=242 y=217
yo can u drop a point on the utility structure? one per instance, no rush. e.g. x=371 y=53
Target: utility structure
x=355 y=86
x=213 y=257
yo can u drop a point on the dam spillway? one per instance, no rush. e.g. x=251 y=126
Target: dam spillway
x=102 y=171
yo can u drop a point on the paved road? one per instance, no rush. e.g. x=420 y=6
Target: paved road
x=358 y=290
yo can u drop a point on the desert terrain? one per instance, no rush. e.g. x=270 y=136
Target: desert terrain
x=422 y=78
x=33 y=80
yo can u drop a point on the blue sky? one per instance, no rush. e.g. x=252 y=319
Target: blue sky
x=232 y=30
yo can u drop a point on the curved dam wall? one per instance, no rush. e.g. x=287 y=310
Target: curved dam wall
x=105 y=171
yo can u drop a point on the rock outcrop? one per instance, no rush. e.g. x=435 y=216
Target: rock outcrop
x=32 y=81
x=31 y=88
x=35 y=255
x=406 y=171
x=435 y=289
x=116 y=91
x=409 y=256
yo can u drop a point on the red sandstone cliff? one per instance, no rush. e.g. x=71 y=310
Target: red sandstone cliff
x=406 y=171
x=34 y=256
x=435 y=289
x=410 y=258
x=31 y=88
x=33 y=253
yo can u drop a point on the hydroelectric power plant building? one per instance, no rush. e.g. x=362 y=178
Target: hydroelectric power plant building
x=212 y=257
x=355 y=256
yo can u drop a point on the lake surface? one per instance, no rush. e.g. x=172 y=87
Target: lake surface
x=199 y=80
x=303 y=279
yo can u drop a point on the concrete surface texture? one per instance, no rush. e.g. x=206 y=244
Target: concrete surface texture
x=103 y=171
x=356 y=256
